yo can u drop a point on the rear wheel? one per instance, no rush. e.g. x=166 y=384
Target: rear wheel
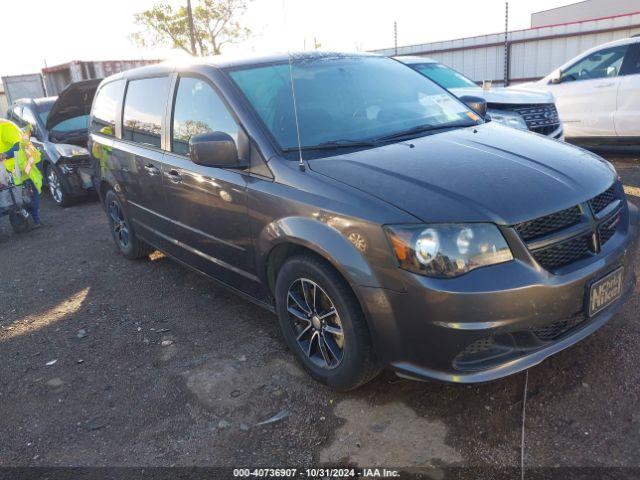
x=323 y=323
x=121 y=231
x=57 y=186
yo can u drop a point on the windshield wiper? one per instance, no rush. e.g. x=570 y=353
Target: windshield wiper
x=421 y=129
x=333 y=145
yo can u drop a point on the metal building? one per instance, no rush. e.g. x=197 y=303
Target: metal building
x=534 y=52
x=56 y=78
x=585 y=10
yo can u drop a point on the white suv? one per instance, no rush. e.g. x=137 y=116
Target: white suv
x=598 y=94
x=521 y=109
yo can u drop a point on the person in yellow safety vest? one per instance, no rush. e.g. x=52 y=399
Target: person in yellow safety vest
x=20 y=158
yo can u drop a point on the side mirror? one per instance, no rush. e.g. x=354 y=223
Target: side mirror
x=556 y=77
x=214 y=149
x=477 y=104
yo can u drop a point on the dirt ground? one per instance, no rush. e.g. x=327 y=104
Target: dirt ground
x=108 y=362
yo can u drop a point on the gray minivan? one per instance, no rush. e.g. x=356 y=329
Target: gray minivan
x=385 y=222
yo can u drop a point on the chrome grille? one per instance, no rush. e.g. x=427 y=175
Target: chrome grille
x=540 y=118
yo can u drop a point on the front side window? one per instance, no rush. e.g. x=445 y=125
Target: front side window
x=105 y=108
x=144 y=105
x=346 y=99
x=600 y=64
x=198 y=109
x=444 y=76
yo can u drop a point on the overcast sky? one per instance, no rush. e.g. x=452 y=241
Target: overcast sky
x=63 y=30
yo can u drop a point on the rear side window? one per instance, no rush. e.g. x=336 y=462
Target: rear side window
x=144 y=106
x=198 y=109
x=105 y=108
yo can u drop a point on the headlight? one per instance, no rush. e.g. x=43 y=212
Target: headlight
x=510 y=119
x=447 y=250
x=65 y=150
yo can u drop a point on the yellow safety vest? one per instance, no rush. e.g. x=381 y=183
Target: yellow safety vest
x=9 y=136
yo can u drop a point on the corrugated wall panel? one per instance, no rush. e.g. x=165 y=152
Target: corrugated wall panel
x=481 y=59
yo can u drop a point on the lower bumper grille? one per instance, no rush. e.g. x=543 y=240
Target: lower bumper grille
x=555 y=329
x=500 y=347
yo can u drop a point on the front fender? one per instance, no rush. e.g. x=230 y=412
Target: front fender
x=321 y=238
x=50 y=152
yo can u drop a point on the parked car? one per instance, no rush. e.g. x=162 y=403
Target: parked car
x=598 y=94
x=517 y=108
x=383 y=221
x=59 y=129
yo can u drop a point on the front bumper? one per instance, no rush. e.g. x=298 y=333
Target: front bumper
x=76 y=175
x=494 y=321
x=557 y=134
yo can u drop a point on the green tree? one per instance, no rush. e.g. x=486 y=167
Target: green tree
x=216 y=23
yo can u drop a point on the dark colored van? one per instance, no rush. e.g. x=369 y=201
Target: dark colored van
x=384 y=221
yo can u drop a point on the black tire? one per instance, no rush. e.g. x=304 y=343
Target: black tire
x=357 y=364
x=122 y=231
x=57 y=186
x=19 y=220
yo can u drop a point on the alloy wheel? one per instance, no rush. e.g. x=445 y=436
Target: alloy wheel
x=316 y=323
x=55 y=186
x=119 y=224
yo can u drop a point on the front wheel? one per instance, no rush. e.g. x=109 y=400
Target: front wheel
x=57 y=187
x=323 y=323
x=123 y=235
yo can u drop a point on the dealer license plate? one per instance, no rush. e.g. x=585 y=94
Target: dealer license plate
x=605 y=291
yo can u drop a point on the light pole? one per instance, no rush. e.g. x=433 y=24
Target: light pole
x=395 y=37
x=507 y=53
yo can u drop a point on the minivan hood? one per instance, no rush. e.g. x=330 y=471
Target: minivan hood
x=75 y=100
x=477 y=174
x=512 y=96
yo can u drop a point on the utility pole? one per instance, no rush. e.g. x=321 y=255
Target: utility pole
x=395 y=37
x=507 y=56
x=192 y=32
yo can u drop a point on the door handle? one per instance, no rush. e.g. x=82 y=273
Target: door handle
x=152 y=169
x=605 y=85
x=174 y=176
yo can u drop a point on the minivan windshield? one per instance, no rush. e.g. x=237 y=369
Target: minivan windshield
x=347 y=100
x=444 y=76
